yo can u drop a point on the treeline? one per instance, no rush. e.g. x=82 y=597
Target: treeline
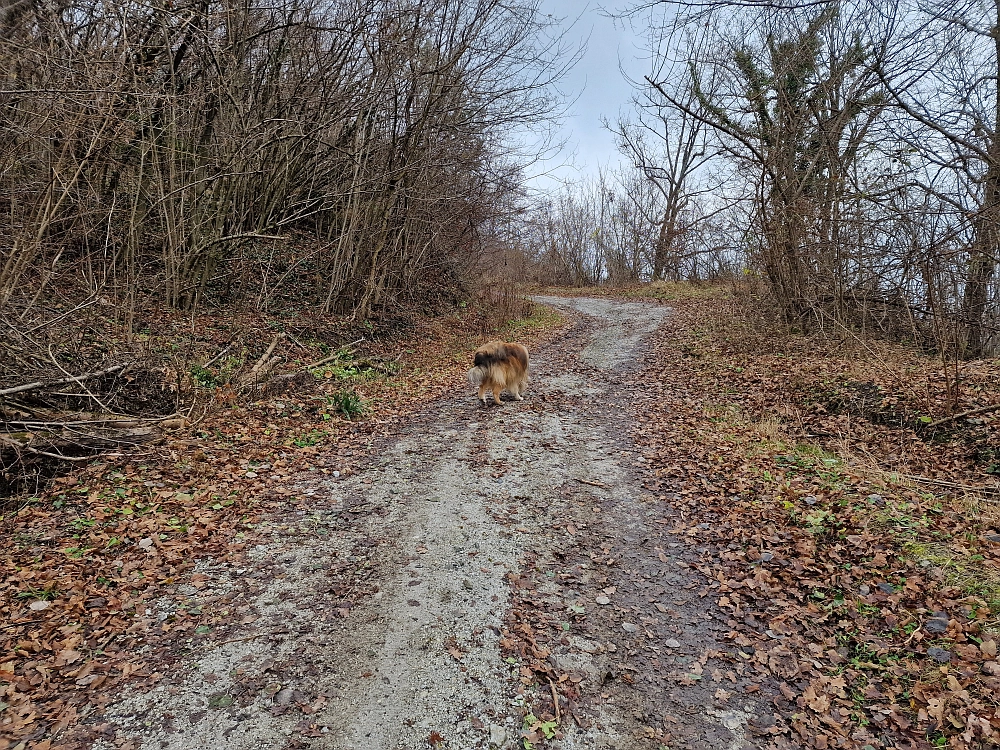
x=846 y=154
x=610 y=229
x=188 y=151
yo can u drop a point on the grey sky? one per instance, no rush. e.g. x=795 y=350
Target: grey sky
x=598 y=83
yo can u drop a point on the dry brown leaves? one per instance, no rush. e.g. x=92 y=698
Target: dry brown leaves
x=867 y=601
x=85 y=560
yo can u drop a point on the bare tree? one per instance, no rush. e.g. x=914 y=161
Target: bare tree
x=941 y=70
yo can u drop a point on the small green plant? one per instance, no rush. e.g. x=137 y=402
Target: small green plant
x=817 y=521
x=533 y=724
x=348 y=403
x=202 y=377
x=309 y=438
x=46 y=594
x=79 y=524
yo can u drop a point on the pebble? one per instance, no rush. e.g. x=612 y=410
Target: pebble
x=939 y=654
x=38 y=606
x=672 y=643
x=498 y=735
x=283 y=697
x=336 y=474
x=876 y=500
x=809 y=499
x=993 y=537
x=938 y=623
x=886 y=588
x=630 y=628
x=767 y=557
x=864 y=589
x=704 y=526
x=602 y=600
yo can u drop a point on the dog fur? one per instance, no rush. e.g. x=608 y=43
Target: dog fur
x=500 y=366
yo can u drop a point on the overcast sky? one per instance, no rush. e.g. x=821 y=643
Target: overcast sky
x=597 y=81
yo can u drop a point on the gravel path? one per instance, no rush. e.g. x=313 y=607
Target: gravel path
x=376 y=619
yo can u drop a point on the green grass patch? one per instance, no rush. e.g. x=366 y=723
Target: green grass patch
x=965 y=572
x=542 y=318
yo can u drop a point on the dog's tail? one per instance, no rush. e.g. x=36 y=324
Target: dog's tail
x=477 y=375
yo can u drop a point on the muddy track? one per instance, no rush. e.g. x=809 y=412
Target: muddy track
x=378 y=618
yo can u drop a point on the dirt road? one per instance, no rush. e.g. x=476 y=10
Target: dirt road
x=387 y=615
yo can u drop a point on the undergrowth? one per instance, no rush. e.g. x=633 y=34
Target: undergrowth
x=868 y=542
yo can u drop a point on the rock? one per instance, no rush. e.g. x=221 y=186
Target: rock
x=809 y=499
x=584 y=645
x=876 y=500
x=498 y=736
x=864 y=589
x=629 y=627
x=146 y=543
x=602 y=600
x=767 y=557
x=284 y=697
x=993 y=538
x=704 y=526
x=251 y=475
x=672 y=643
x=937 y=624
x=886 y=588
x=939 y=655
x=335 y=474
x=38 y=606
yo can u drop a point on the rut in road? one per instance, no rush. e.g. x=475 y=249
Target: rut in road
x=375 y=620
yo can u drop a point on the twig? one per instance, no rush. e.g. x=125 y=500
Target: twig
x=555 y=699
x=969 y=413
x=110 y=422
x=952 y=485
x=322 y=362
x=61 y=381
x=82 y=305
x=77 y=380
x=296 y=341
x=263 y=364
x=21 y=446
x=218 y=356
x=19 y=624
x=333 y=356
x=593 y=484
x=266 y=355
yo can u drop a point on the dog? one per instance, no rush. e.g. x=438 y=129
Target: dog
x=499 y=366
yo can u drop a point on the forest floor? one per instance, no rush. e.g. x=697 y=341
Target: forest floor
x=692 y=533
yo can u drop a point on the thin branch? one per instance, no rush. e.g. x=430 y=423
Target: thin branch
x=62 y=381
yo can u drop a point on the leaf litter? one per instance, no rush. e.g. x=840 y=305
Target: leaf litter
x=105 y=570
x=848 y=545
x=848 y=549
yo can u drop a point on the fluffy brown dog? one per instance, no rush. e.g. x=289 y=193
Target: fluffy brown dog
x=500 y=366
